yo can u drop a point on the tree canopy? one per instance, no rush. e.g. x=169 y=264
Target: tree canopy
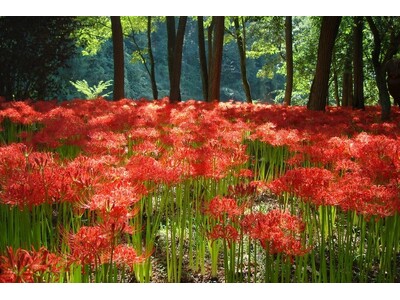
x=40 y=56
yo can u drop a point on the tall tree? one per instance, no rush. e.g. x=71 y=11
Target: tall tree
x=289 y=60
x=175 y=48
x=118 y=53
x=240 y=36
x=216 y=59
x=202 y=57
x=358 y=97
x=386 y=33
x=152 y=63
x=347 y=81
x=143 y=54
x=319 y=87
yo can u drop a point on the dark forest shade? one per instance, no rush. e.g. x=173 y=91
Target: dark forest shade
x=358 y=97
x=32 y=49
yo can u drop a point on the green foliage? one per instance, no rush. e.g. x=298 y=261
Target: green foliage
x=92 y=92
x=92 y=33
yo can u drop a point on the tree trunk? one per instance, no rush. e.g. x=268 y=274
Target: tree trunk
x=171 y=36
x=358 y=97
x=347 y=88
x=151 y=58
x=241 y=43
x=203 y=58
x=336 y=88
x=289 y=60
x=379 y=66
x=319 y=88
x=175 y=93
x=216 y=61
x=118 y=50
x=210 y=31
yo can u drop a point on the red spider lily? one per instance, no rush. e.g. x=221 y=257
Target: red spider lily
x=89 y=244
x=377 y=156
x=125 y=255
x=277 y=231
x=242 y=190
x=12 y=158
x=19 y=112
x=220 y=207
x=61 y=126
x=24 y=266
x=83 y=176
x=225 y=232
x=105 y=142
x=144 y=168
x=246 y=173
x=356 y=193
x=311 y=184
x=115 y=205
x=32 y=181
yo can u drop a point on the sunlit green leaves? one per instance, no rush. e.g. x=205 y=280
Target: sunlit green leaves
x=92 y=34
x=92 y=92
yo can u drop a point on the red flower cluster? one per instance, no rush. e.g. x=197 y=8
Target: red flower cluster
x=221 y=208
x=341 y=157
x=277 y=231
x=28 y=266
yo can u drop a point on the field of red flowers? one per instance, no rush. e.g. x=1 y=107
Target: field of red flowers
x=100 y=191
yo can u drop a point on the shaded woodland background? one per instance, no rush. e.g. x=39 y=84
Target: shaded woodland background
x=262 y=58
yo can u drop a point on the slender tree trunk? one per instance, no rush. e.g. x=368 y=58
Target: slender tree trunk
x=203 y=57
x=118 y=50
x=379 y=66
x=175 y=93
x=358 y=97
x=210 y=31
x=336 y=88
x=289 y=60
x=171 y=36
x=216 y=61
x=319 y=88
x=241 y=43
x=347 y=88
x=151 y=58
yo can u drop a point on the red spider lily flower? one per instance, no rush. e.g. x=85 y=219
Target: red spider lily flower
x=115 y=205
x=246 y=173
x=61 y=126
x=144 y=168
x=220 y=207
x=356 y=193
x=89 y=244
x=242 y=190
x=12 y=158
x=83 y=176
x=19 y=112
x=225 y=232
x=125 y=256
x=24 y=266
x=105 y=142
x=311 y=184
x=277 y=231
